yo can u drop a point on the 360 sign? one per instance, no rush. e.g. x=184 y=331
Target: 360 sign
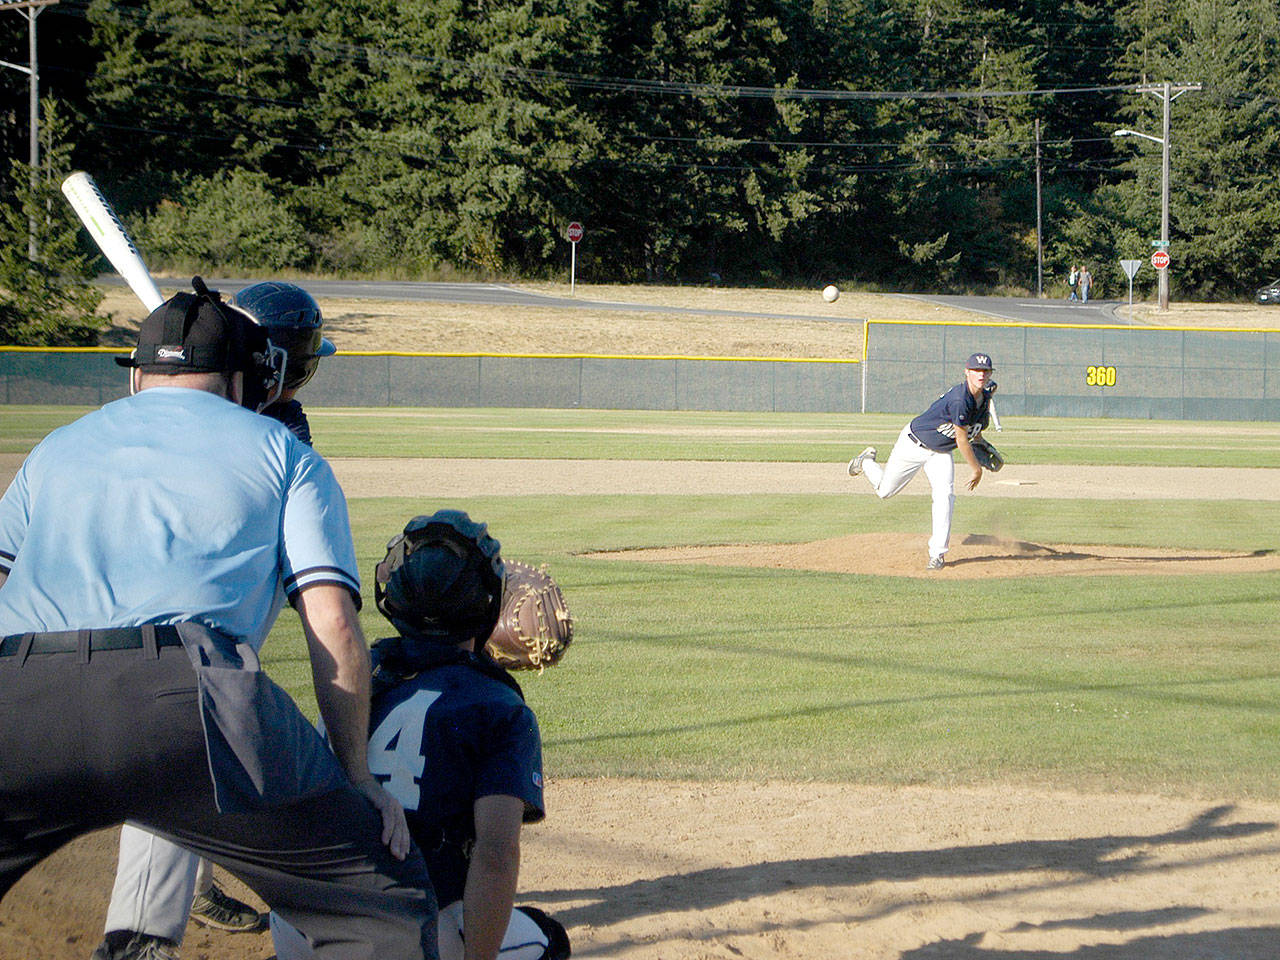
x=1100 y=376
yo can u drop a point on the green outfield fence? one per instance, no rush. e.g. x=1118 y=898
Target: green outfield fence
x=1042 y=369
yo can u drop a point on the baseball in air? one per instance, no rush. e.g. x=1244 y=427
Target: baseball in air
x=830 y=293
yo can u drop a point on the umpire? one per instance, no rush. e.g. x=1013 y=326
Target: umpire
x=145 y=551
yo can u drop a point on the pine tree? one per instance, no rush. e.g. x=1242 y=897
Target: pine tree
x=1224 y=142
x=48 y=300
x=452 y=135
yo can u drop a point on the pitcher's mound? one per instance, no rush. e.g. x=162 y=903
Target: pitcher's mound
x=976 y=555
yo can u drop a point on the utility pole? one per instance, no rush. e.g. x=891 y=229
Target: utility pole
x=1039 y=235
x=1167 y=92
x=31 y=9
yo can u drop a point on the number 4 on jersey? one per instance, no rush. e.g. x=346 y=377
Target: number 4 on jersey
x=395 y=749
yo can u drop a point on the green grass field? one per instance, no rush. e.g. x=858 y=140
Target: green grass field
x=1129 y=682
x=697 y=435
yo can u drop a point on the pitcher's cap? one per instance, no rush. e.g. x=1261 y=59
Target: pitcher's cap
x=978 y=361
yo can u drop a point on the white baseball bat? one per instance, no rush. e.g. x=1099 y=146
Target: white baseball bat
x=110 y=235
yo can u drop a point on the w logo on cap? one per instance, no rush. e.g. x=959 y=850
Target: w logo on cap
x=978 y=361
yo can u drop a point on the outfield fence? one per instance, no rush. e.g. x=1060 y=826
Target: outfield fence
x=1042 y=370
x=1083 y=371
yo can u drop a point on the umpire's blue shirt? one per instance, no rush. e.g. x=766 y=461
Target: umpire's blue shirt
x=170 y=505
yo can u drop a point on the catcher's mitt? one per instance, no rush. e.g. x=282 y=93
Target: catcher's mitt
x=534 y=628
x=988 y=456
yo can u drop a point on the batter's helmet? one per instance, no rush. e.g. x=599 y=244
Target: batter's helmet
x=292 y=319
x=441 y=580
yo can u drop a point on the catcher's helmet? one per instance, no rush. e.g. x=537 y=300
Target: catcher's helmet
x=292 y=320
x=441 y=580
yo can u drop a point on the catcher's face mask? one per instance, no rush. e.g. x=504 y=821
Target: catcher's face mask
x=441 y=579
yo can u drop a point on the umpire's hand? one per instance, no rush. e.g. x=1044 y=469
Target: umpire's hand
x=340 y=671
x=395 y=829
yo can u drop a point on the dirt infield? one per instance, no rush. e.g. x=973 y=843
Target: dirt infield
x=373 y=477
x=975 y=556
x=722 y=871
x=805 y=871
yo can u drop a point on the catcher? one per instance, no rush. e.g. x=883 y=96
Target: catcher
x=453 y=739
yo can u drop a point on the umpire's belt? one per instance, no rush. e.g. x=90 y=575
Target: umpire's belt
x=68 y=641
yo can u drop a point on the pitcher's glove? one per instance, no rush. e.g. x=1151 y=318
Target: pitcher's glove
x=988 y=456
x=534 y=628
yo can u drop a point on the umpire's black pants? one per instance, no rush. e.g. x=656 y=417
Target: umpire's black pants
x=91 y=738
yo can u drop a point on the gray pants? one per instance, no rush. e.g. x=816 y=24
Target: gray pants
x=155 y=883
x=93 y=737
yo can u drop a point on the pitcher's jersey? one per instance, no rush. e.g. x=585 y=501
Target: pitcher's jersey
x=936 y=427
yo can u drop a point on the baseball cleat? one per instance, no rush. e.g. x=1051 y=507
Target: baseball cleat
x=127 y=945
x=855 y=465
x=216 y=909
x=935 y=563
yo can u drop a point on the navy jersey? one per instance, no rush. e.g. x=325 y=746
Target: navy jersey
x=936 y=427
x=440 y=741
x=290 y=413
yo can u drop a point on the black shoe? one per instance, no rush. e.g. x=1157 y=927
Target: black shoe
x=557 y=937
x=128 y=945
x=216 y=909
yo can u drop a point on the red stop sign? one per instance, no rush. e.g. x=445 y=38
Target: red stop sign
x=574 y=233
x=1160 y=259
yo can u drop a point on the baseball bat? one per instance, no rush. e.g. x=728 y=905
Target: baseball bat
x=100 y=219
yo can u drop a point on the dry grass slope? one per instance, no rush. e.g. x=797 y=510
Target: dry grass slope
x=359 y=325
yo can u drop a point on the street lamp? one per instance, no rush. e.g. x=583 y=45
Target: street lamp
x=1162 y=275
x=30 y=9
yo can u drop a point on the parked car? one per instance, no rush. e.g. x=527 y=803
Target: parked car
x=1270 y=293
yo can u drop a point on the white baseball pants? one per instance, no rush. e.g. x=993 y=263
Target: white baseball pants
x=155 y=883
x=905 y=461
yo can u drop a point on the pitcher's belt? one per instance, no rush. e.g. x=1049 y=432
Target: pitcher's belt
x=68 y=641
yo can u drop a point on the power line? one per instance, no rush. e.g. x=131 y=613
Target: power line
x=293 y=43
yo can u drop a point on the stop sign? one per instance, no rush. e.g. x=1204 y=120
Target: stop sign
x=574 y=233
x=1160 y=259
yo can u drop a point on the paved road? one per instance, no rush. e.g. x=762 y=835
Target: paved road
x=1032 y=310
x=492 y=293
x=1024 y=309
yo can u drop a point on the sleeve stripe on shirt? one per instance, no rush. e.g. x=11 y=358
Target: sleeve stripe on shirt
x=313 y=575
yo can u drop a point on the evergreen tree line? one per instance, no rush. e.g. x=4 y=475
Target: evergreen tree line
x=896 y=144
